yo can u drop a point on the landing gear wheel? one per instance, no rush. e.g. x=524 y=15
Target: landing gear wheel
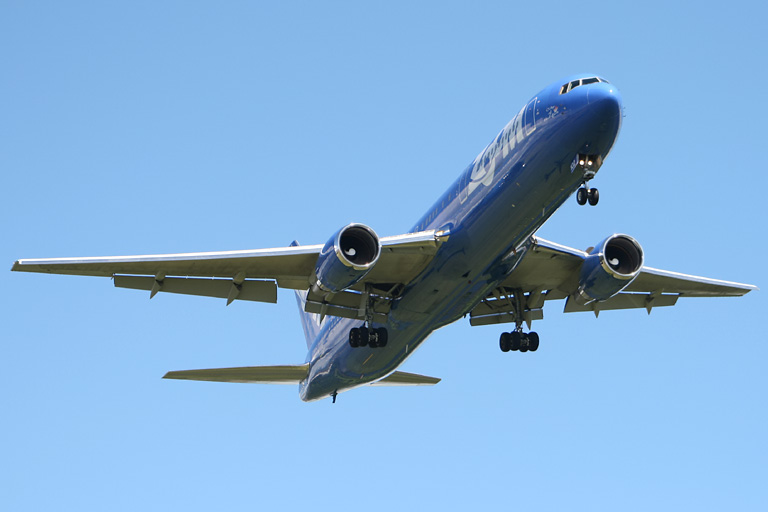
x=593 y=196
x=383 y=336
x=505 y=342
x=524 y=342
x=373 y=338
x=581 y=196
x=364 y=336
x=533 y=341
x=354 y=337
x=514 y=340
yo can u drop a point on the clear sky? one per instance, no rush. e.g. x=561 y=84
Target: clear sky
x=151 y=127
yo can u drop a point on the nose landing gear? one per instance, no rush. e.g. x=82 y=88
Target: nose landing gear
x=584 y=195
x=587 y=165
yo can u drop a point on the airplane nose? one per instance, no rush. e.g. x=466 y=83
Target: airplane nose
x=605 y=100
x=605 y=116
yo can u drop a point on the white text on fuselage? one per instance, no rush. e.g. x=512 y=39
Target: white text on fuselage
x=482 y=170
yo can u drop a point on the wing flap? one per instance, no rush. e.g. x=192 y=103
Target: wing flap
x=406 y=379
x=624 y=301
x=289 y=374
x=259 y=291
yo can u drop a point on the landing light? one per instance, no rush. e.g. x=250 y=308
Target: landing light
x=581 y=162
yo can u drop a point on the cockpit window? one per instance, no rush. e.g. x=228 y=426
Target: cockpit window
x=578 y=83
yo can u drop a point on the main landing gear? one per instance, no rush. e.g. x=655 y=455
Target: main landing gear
x=364 y=336
x=518 y=340
x=367 y=336
x=584 y=195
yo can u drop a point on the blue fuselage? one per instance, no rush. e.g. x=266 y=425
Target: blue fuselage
x=491 y=211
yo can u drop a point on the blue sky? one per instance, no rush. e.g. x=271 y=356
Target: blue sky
x=152 y=127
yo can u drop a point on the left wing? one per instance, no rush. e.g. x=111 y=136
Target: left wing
x=550 y=271
x=256 y=274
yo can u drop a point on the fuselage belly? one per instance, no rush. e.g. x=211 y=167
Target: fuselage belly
x=491 y=211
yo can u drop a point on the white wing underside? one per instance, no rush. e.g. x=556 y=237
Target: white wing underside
x=549 y=271
x=254 y=274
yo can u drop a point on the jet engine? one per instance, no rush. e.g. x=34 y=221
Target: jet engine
x=346 y=258
x=611 y=266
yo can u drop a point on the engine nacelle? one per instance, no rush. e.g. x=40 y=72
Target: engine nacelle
x=609 y=268
x=346 y=258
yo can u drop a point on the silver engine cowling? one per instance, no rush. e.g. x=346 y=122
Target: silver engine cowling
x=346 y=258
x=611 y=266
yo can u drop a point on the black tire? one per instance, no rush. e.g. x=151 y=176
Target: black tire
x=505 y=343
x=581 y=196
x=525 y=342
x=383 y=336
x=354 y=337
x=364 y=336
x=593 y=196
x=533 y=341
x=514 y=340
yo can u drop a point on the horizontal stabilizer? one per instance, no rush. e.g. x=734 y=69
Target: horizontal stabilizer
x=290 y=374
x=406 y=379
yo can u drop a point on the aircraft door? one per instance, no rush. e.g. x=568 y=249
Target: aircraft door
x=530 y=117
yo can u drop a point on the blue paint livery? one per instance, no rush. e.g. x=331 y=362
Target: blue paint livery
x=472 y=253
x=492 y=210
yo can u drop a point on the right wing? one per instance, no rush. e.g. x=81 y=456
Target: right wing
x=255 y=274
x=550 y=271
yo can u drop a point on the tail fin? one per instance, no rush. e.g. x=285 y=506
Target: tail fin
x=309 y=321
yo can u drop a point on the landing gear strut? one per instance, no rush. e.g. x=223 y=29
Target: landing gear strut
x=367 y=336
x=587 y=166
x=517 y=339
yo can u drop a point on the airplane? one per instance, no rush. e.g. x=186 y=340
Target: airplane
x=367 y=303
